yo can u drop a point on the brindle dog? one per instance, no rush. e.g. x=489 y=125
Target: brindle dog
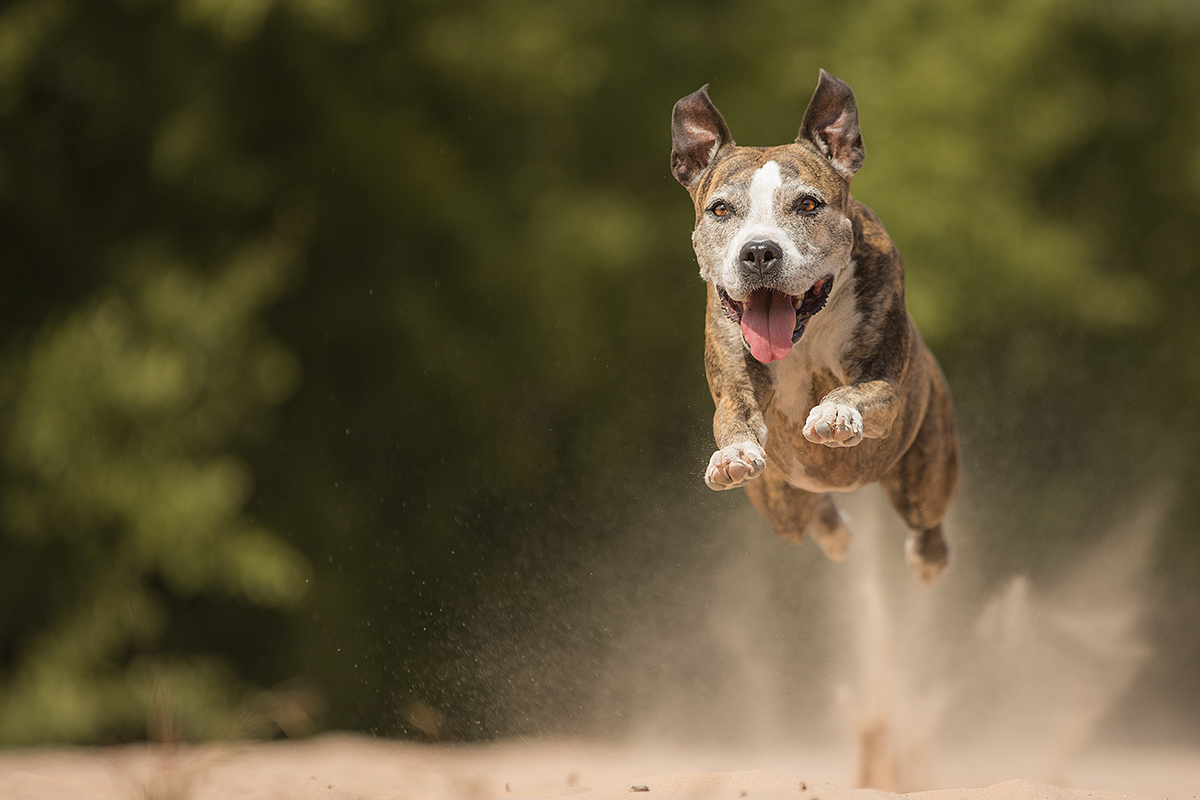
x=821 y=381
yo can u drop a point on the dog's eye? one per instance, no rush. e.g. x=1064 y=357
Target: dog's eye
x=719 y=208
x=807 y=204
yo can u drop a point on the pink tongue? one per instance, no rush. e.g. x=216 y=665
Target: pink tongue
x=768 y=321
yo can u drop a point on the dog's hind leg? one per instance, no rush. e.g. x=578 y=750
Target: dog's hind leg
x=923 y=482
x=794 y=513
x=829 y=529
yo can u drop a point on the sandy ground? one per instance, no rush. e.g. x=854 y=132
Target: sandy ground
x=341 y=767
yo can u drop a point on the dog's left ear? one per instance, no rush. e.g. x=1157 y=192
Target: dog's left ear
x=831 y=123
x=698 y=132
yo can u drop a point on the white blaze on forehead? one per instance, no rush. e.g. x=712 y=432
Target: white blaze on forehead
x=759 y=223
x=767 y=179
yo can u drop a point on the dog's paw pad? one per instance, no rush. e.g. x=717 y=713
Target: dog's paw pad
x=735 y=466
x=834 y=425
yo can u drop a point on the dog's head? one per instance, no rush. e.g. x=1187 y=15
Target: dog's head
x=772 y=235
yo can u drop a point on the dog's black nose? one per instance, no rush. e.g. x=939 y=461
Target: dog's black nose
x=761 y=257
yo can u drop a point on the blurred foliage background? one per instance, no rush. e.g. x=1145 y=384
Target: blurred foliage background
x=346 y=341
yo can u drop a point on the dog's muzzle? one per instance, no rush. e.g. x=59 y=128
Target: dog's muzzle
x=772 y=321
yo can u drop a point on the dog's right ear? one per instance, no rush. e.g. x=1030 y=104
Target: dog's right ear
x=698 y=132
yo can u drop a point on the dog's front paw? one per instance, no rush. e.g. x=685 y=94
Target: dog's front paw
x=735 y=466
x=834 y=425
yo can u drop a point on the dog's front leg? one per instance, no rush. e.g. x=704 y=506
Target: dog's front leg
x=848 y=414
x=738 y=424
x=741 y=433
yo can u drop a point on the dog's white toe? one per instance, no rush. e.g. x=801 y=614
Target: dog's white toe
x=834 y=425
x=735 y=466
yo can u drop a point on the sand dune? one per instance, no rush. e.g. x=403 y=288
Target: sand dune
x=346 y=767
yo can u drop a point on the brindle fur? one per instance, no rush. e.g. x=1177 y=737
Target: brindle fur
x=880 y=367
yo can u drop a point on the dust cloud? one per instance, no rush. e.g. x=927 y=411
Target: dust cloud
x=955 y=686
x=754 y=654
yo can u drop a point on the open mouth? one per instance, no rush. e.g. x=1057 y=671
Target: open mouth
x=772 y=321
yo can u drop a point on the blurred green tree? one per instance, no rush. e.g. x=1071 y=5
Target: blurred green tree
x=124 y=491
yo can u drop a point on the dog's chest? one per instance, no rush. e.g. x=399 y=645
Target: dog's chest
x=816 y=364
x=815 y=367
